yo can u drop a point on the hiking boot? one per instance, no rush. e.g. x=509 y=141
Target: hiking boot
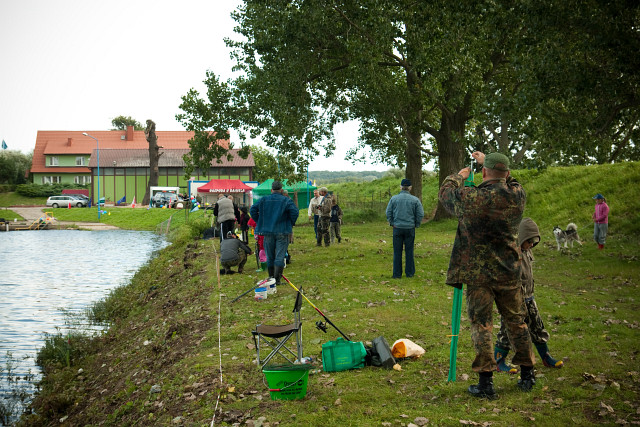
x=527 y=378
x=484 y=389
x=501 y=359
x=547 y=360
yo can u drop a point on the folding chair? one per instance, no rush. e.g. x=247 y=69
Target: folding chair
x=276 y=336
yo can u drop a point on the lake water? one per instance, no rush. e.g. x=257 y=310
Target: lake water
x=47 y=273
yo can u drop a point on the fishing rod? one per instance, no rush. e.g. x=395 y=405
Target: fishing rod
x=318 y=310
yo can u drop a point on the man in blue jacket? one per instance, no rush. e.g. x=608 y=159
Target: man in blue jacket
x=404 y=214
x=275 y=216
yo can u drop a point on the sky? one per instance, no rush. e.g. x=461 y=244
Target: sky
x=77 y=64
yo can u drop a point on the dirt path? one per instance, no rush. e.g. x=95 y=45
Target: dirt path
x=32 y=213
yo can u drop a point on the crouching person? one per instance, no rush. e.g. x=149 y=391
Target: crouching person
x=233 y=252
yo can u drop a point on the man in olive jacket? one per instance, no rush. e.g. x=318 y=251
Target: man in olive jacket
x=486 y=258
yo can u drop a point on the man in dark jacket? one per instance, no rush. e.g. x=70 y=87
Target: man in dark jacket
x=275 y=216
x=233 y=252
x=485 y=257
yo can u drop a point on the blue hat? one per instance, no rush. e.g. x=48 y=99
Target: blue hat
x=598 y=196
x=405 y=183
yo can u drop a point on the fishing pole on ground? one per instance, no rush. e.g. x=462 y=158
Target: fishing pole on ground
x=319 y=325
x=257 y=285
x=456 y=309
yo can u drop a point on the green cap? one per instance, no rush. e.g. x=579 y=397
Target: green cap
x=496 y=161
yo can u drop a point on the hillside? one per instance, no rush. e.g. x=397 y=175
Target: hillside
x=180 y=353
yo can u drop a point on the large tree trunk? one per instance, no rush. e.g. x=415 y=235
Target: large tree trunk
x=414 y=164
x=154 y=156
x=452 y=156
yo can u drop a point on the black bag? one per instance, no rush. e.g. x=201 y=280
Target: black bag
x=379 y=354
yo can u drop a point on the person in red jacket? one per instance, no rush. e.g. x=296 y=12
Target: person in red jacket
x=260 y=254
x=600 y=220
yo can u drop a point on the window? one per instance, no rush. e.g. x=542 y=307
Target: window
x=53 y=161
x=82 y=179
x=80 y=161
x=51 y=179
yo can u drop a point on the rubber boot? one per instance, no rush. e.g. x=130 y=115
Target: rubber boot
x=484 y=388
x=263 y=266
x=601 y=247
x=271 y=269
x=548 y=361
x=501 y=359
x=278 y=269
x=527 y=378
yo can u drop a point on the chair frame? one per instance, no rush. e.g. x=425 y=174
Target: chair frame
x=276 y=337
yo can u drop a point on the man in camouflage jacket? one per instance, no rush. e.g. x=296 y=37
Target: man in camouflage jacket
x=485 y=257
x=324 y=211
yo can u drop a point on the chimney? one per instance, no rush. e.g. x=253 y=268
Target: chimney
x=129 y=133
x=69 y=141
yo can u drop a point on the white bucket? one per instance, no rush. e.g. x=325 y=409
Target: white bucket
x=261 y=293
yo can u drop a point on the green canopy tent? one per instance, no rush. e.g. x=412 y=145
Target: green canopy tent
x=264 y=189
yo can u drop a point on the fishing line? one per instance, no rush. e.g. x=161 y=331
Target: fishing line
x=217 y=256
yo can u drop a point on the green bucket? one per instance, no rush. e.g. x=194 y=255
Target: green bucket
x=287 y=382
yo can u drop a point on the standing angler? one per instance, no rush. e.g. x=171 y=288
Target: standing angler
x=275 y=216
x=404 y=214
x=485 y=257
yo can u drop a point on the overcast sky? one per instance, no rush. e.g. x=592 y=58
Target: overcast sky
x=77 y=64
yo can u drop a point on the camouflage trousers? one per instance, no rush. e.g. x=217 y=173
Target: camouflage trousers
x=509 y=300
x=240 y=262
x=323 y=230
x=538 y=333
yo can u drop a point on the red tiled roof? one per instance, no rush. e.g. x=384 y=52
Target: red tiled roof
x=138 y=158
x=74 y=142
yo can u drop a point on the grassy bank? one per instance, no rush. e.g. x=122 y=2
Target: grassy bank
x=9 y=215
x=178 y=349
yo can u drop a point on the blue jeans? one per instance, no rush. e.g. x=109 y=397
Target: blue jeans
x=275 y=245
x=600 y=233
x=403 y=237
x=316 y=218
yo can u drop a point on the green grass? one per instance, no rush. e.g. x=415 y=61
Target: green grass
x=15 y=199
x=9 y=215
x=165 y=329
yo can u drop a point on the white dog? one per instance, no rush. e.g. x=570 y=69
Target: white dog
x=569 y=235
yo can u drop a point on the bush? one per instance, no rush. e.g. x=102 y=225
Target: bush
x=7 y=188
x=46 y=190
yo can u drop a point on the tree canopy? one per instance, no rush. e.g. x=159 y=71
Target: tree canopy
x=270 y=166
x=121 y=123
x=14 y=166
x=431 y=80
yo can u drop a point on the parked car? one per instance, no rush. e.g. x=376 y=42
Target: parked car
x=80 y=197
x=64 y=201
x=166 y=199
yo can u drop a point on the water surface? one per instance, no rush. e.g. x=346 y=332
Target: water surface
x=47 y=273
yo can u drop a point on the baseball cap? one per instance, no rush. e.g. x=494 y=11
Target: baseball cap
x=496 y=161
x=405 y=183
x=277 y=185
x=598 y=196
